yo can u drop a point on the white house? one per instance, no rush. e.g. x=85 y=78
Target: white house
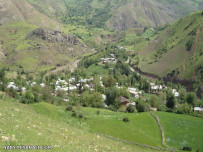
x=71 y=80
x=198 y=109
x=23 y=89
x=33 y=83
x=175 y=92
x=104 y=96
x=42 y=85
x=133 y=92
x=12 y=85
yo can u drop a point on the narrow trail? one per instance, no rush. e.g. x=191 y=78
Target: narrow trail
x=71 y=67
x=162 y=133
x=135 y=143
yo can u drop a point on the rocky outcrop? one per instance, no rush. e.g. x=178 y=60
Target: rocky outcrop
x=55 y=36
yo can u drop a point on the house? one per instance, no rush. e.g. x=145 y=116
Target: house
x=71 y=80
x=61 y=82
x=153 y=109
x=175 y=92
x=23 y=89
x=71 y=88
x=12 y=85
x=123 y=101
x=132 y=103
x=105 y=105
x=42 y=85
x=108 y=60
x=199 y=110
x=104 y=96
x=133 y=92
x=33 y=83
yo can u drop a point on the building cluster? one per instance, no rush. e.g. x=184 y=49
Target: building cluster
x=134 y=92
x=111 y=59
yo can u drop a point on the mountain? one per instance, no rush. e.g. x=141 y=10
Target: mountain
x=151 y=13
x=20 y=10
x=177 y=50
x=117 y=14
x=30 y=39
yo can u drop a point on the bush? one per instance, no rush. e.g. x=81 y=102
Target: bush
x=98 y=112
x=74 y=114
x=186 y=148
x=184 y=109
x=125 y=119
x=142 y=106
x=189 y=45
x=80 y=116
x=130 y=109
x=69 y=108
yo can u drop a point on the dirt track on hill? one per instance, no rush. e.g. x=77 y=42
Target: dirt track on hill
x=71 y=67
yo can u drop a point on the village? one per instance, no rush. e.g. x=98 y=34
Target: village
x=87 y=84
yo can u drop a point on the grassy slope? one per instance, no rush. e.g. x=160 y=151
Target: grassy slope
x=108 y=122
x=24 y=51
x=24 y=126
x=174 y=39
x=182 y=130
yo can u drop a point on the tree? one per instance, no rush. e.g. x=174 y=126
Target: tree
x=109 y=81
x=29 y=95
x=144 y=85
x=142 y=106
x=184 y=108
x=183 y=95
x=91 y=99
x=170 y=100
x=124 y=92
x=111 y=95
x=154 y=101
x=191 y=98
x=130 y=109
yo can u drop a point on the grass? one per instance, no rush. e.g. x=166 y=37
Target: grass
x=24 y=126
x=169 y=51
x=182 y=130
x=99 y=69
x=107 y=122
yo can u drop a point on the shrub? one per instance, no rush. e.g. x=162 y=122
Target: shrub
x=189 y=45
x=69 y=108
x=80 y=115
x=142 y=106
x=125 y=119
x=130 y=109
x=184 y=109
x=186 y=148
x=74 y=114
x=98 y=112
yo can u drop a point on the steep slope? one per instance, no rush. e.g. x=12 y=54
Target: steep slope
x=151 y=13
x=25 y=47
x=21 y=125
x=21 y=10
x=37 y=49
x=177 y=51
x=117 y=14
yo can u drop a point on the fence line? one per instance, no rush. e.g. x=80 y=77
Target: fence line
x=134 y=143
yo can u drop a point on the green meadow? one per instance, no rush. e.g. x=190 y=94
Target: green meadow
x=182 y=130
x=24 y=125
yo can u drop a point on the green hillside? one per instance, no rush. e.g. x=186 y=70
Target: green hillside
x=177 y=51
x=117 y=14
x=22 y=125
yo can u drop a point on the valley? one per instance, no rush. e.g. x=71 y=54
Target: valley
x=101 y=75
